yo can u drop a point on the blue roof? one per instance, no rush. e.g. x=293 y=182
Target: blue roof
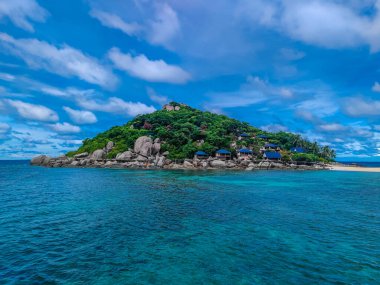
x=244 y=135
x=272 y=155
x=245 y=150
x=271 y=145
x=201 y=153
x=298 y=149
x=223 y=151
x=262 y=136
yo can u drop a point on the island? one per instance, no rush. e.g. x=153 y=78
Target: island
x=181 y=137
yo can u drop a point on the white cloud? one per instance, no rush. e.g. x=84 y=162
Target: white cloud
x=4 y=130
x=33 y=112
x=21 y=12
x=321 y=106
x=162 y=100
x=7 y=77
x=113 y=21
x=332 y=127
x=81 y=117
x=150 y=70
x=165 y=26
x=357 y=107
x=65 y=60
x=376 y=87
x=254 y=91
x=331 y=24
x=275 y=128
x=65 y=128
x=354 y=146
x=115 y=105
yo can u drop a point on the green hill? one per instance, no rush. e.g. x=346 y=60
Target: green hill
x=184 y=130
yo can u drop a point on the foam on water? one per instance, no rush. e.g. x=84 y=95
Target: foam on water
x=99 y=226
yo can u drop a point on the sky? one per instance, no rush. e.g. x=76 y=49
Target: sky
x=71 y=69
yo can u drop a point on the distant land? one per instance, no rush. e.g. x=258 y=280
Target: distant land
x=179 y=136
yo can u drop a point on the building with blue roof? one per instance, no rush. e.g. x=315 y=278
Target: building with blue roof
x=223 y=154
x=245 y=153
x=264 y=137
x=243 y=136
x=272 y=155
x=200 y=154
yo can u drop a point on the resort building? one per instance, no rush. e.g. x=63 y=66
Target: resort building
x=272 y=155
x=223 y=154
x=201 y=155
x=270 y=147
x=263 y=137
x=245 y=153
x=298 y=150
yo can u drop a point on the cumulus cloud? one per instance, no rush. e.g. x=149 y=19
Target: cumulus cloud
x=21 y=12
x=65 y=128
x=64 y=60
x=357 y=107
x=115 y=105
x=165 y=26
x=150 y=70
x=376 y=87
x=162 y=100
x=332 y=127
x=331 y=24
x=113 y=21
x=33 y=112
x=81 y=117
x=4 y=130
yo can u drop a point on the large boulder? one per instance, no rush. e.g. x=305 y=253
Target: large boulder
x=218 y=163
x=188 y=164
x=81 y=155
x=98 y=154
x=156 y=146
x=143 y=145
x=127 y=155
x=38 y=160
x=161 y=161
x=109 y=146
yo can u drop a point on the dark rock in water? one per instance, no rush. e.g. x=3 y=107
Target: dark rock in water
x=40 y=160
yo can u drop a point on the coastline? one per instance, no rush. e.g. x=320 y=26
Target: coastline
x=349 y=168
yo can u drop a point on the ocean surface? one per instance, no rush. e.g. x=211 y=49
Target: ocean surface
x=102 y=226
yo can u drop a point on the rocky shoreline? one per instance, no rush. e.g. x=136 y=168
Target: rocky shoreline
x=147 y=155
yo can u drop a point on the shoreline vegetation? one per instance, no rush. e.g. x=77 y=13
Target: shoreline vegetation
x=181 y=137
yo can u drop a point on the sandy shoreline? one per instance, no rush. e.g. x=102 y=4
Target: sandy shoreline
x=355 y=168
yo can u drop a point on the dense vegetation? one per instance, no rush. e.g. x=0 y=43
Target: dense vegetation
x=187 y=130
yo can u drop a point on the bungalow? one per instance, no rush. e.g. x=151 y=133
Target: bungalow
x=245 y=153
x=243 y=136
x=223 y=154
x=272 y=155
x=298 y=150
x=201 y=154
x=263 y=137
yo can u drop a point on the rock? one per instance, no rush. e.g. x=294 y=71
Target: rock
x=141 y=158
x=156 y=146
x=81 y=155
x=143 y=146
x=204 y=164
x=38 y=160
x=218 y=163
x=127 y=155
x=109 y=163
x=177 y=108
x=168 y=107
x=75 y=163
x=98 y=154
x=83 y=162
x=46 y=161
x=166 y=153
x=161 y=161
x=188 y=164
x=230 y=164
x=245 y=162
x=109 y=146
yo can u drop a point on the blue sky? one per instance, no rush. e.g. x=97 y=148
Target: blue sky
x=70 y=69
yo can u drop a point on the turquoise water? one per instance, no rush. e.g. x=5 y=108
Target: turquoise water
x=99 y=226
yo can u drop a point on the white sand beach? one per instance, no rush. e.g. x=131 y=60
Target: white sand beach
x=355 y=168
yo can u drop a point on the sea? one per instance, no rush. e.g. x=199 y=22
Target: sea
x=104 y=226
